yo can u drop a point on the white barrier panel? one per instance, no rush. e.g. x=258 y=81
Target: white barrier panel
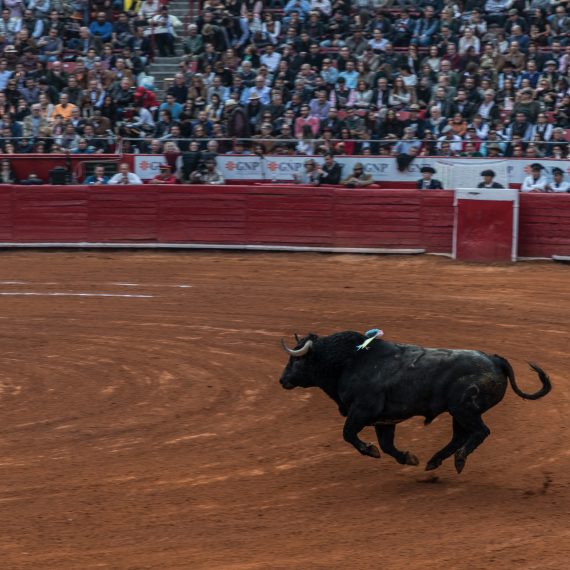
x=452 y=172
x=147 y=166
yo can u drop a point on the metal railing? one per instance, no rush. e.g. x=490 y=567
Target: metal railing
x=248 y=145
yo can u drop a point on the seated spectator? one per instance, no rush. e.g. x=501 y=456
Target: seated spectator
x=309 y=176
x=32 y=180
x=101 y=28
x=427 y=182
x=207 y=173
x=163 y=26
x=358 y=178
x=98 y=178
x=165 y=176
x=329 y=172
x=536 y=181
x=50 y=46
x=488 y=182
x=124 y=176
x=558 y=184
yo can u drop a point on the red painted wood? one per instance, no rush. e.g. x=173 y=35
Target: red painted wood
x=272 y=214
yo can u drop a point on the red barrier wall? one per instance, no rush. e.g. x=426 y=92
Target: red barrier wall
x=544 y=225
x=41 y=164
x=272 y=215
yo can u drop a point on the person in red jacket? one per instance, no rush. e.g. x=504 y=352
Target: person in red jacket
x=165 y=176
x=146 y=97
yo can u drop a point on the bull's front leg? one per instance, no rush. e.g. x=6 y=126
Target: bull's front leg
x=386 y=435
x=356 y=421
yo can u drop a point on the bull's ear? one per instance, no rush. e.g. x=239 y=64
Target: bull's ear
x=297 y=338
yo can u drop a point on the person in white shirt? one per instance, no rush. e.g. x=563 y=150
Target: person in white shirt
x=536 y=182
x=558 y=184
x=162 y=27
x=124 y=176
x=270 y=58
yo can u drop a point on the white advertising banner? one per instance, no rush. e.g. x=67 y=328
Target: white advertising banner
x=453 y=172
x=283 y=168
x=147 y=166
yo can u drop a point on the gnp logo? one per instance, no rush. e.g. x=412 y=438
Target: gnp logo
x=149 y=165
x=375 y=167
x=285 y=166
x=242 y=166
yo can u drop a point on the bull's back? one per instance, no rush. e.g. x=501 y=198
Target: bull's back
x=413 y=380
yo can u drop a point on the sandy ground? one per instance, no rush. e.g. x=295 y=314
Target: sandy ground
x=146 y=428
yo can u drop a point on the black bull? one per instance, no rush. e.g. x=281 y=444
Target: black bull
x=389 y=382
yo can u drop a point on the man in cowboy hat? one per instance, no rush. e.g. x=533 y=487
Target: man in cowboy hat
x=536 y=182
x=488 y=181
x=558 y=184
x=427 y=182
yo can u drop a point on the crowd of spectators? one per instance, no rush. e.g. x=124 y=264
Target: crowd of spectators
x=388 y=77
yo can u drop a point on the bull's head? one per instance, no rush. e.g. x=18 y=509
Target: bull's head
x=298 y=371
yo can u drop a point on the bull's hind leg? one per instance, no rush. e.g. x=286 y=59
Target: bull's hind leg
x=356 y=421
x=385 y=435
x=477 y=433
x=458 y=439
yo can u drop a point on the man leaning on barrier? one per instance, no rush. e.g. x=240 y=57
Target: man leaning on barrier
x=358 y=178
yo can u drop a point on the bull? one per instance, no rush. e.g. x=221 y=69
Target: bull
x=392 y=382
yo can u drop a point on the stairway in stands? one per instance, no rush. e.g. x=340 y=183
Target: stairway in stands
x=163 y=69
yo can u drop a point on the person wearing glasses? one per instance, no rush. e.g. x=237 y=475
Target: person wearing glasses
x=310 y=175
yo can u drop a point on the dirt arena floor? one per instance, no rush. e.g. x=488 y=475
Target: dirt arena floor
x=142 y=425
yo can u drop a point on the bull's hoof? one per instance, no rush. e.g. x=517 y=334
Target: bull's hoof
x=411 y=459
x=431 y=465
x=372 y=451
x=459 y=462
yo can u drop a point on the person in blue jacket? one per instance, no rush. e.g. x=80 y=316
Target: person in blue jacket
x=98 y=177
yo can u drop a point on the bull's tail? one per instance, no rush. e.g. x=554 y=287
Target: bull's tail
x=509 y=373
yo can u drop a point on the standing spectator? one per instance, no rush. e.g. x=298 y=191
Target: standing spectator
x=6 y=173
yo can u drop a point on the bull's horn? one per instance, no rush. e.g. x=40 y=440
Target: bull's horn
x=300 y=351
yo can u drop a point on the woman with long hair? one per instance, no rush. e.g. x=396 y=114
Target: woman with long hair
x=197 y=90
x=433 y=60
x=7 y=175
x=391 y=125
x=400 y=97
x=360 y=97
x=215 y=108
x=306 y=144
